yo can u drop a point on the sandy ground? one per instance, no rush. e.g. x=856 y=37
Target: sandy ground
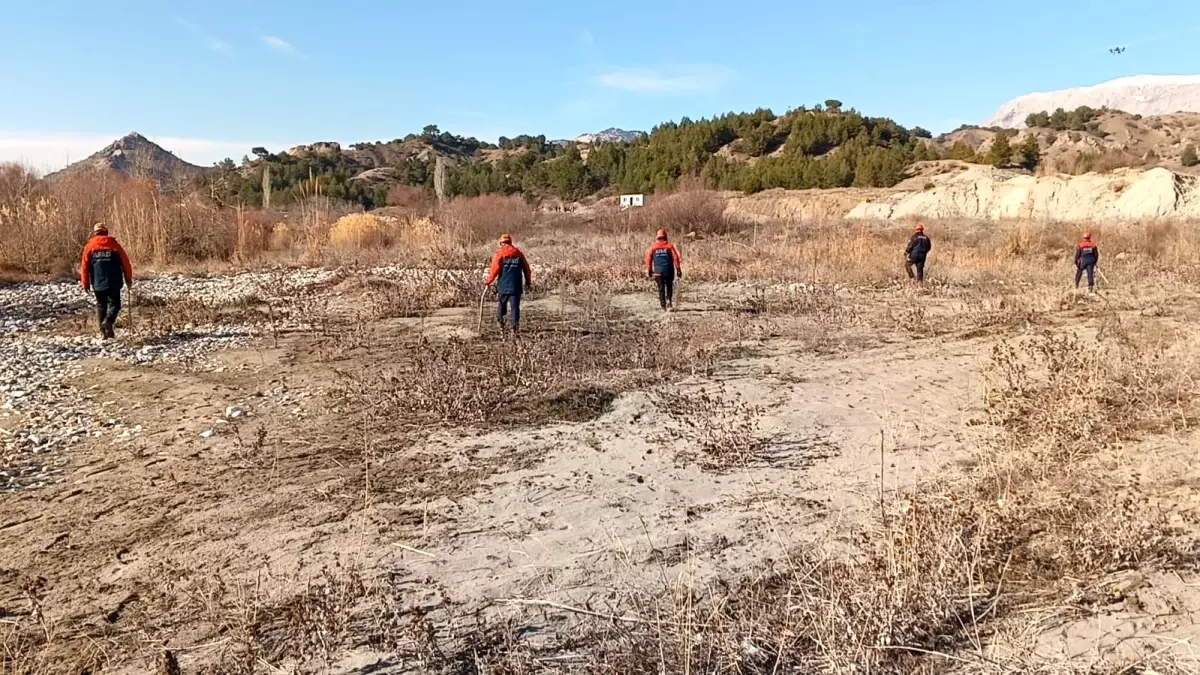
x=575 y=513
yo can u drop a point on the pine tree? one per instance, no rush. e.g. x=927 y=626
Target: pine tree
x=1000 y=152
x=1031 y=153
x=1189 y=158
x=961 y=151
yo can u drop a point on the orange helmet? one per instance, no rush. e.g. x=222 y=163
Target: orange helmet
x=661 y=235
x=505 y=238
x=1087 y=234
x=920 y=227
x=99 y=228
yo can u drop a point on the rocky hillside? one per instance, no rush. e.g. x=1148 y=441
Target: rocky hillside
x=611 y=135
x=957 y=190
x=1112 y=139
x=135 y=156
x=1140 y=94
x=824 y=146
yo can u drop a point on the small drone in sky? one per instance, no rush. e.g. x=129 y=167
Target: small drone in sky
x=1117 y=50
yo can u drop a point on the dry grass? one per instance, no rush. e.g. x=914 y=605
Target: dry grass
x=567 y=368
x=471 y=221
x=685 y=213
x=937 y=573
x=43 y=226
x=1034 y=524
x=360 y=231
x=410 y=200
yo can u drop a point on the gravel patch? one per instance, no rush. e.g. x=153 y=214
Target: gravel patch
x=42 y=415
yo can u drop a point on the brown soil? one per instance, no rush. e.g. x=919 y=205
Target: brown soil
x=650 y=474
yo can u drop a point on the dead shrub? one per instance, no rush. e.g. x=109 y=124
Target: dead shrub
x=1068 y=397
x=30 y=241
x=798 y=300
x=694 y=211
x=420 y=295
x=691 y=212
x=726 y=434
x=1103 y=161
x=420 y=232
x=470 y=221
x=456 y=382
x=255 y=232
x=410 y=200
x=283 y=237
x=1033 y=524
x=312 y=219
x=359 y=231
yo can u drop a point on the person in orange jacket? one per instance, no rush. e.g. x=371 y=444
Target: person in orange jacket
x=1086 y=257
x=663 y=265
x=916 y=252
x=512 y=275
x=104 y=270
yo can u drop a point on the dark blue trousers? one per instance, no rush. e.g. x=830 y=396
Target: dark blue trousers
x=108 y=306
x=1091 y=274
x=509 y=303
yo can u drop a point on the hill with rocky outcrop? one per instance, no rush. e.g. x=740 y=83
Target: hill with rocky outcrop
x=1110 y=140
x=135 y=156
x=825 y=146
x=610 y=135
x=958 y=190
x=1139 y=94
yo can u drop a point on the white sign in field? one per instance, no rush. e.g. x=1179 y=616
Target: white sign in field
x=631 y=200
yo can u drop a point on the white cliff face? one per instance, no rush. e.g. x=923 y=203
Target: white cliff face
x=610 y=136
x=982 y=193
x=1125 y=195
x=1139 y=94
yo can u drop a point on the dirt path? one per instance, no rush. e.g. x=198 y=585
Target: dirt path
x=252 y=479
x=563 y=512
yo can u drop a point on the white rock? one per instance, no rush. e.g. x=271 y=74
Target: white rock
x=234 y=411
x=207 y=433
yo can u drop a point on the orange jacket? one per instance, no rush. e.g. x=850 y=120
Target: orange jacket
x=1087 y=253
x=509 y=266
x=660 y=268
x=99 y=270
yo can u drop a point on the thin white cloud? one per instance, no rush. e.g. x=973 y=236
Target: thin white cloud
x=48 y=152
x=220 y=46
x=583 y=106
x=211 y=41
x=587 y=46
x=279 y=44
x=674 y=80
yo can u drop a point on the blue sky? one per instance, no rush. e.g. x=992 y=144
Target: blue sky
x=209 y=79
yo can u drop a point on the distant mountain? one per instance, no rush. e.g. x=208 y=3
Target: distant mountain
x=135 y=156
x=1139 y=94
x=612 y=135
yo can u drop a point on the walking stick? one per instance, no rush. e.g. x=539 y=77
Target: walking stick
x=132 y=307
x=479 y=328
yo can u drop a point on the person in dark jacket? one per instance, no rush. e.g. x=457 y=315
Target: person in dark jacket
x=915 y=253
x=662 y=265
x=104 y=271
x=1086 y=256
x=512 y=275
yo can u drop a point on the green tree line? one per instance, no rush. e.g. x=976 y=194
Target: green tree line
x=824 y=146
x=1078 y=119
